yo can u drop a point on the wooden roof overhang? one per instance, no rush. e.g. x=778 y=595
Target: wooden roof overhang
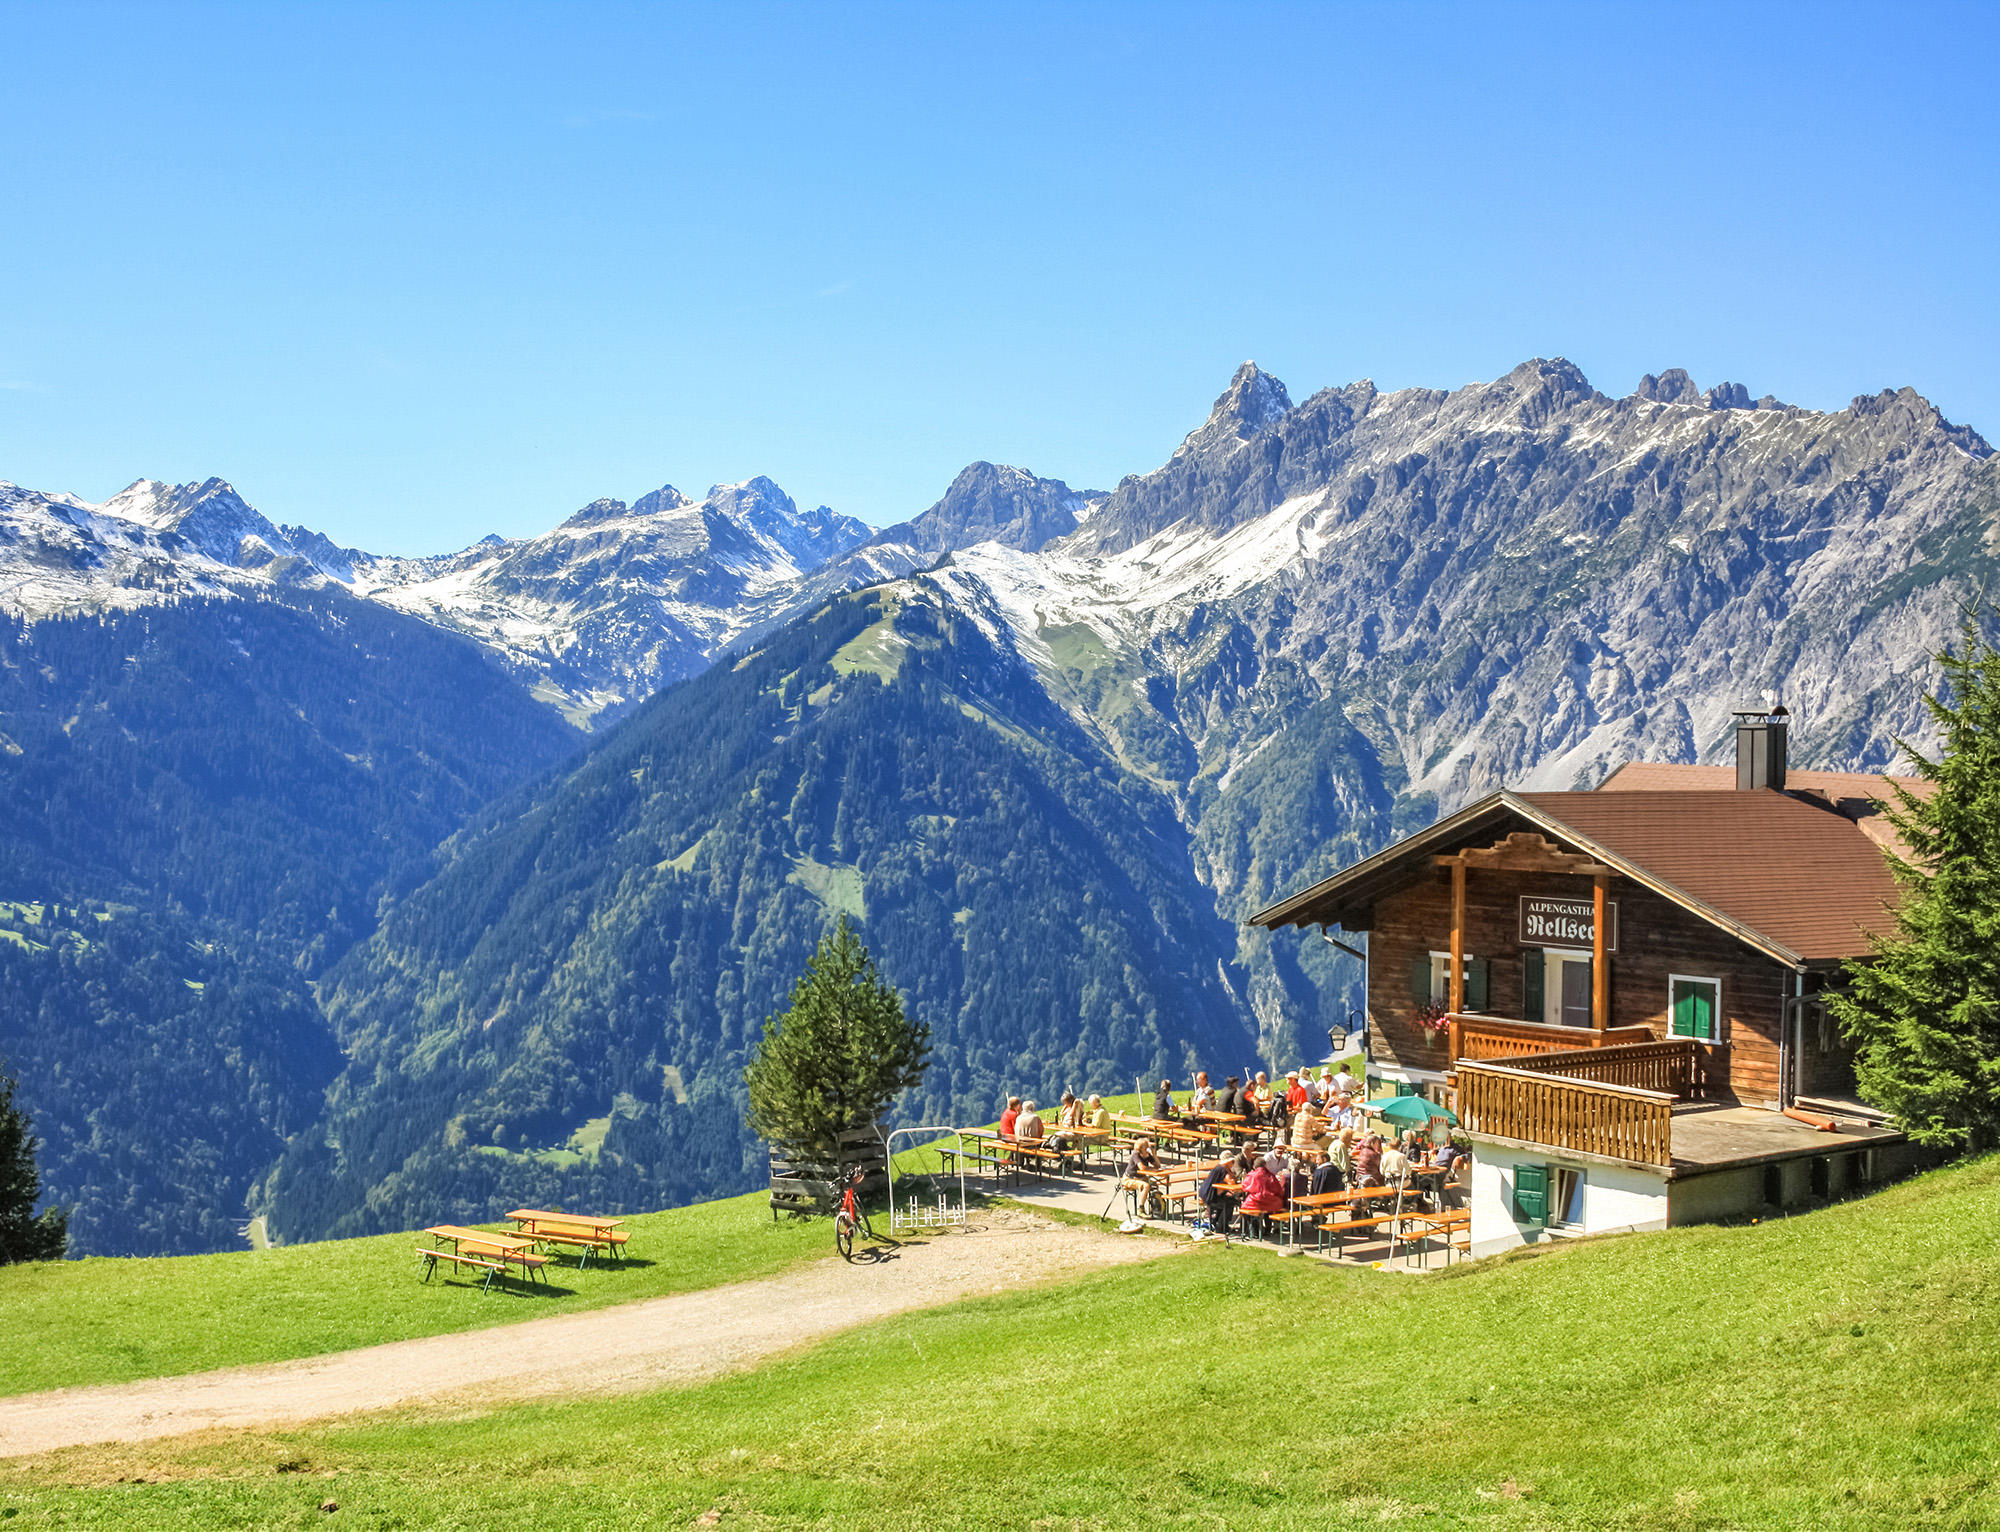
x=1348 y=897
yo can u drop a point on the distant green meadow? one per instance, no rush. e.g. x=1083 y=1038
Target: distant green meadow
x=1834 y=1370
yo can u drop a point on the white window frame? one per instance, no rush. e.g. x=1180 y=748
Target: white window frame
x=1441 y=971
x=1695 y=978
x=1550 y=1220
x=1552 y=999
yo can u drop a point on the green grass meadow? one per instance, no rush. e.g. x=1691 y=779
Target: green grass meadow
x=110 y=1320
x=1830 y=1370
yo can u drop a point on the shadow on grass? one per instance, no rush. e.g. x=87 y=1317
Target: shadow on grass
x=512 y=1287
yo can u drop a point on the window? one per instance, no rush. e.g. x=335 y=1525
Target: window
x=1694 y=1008
x=1430 y=980
x=1565 y=1198
x=1548 y=1196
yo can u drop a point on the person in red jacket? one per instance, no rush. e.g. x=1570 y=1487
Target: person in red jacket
x=1011 y=1116
x=1263 y=1194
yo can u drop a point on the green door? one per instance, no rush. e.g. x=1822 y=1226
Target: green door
x=1694 y=1008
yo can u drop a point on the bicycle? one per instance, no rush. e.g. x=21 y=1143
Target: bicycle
x=850 y=1217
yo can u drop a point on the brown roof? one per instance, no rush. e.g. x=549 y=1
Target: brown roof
x=1659 y=776
x=1804 y=878
x=1800 y=882
x=1860 y=795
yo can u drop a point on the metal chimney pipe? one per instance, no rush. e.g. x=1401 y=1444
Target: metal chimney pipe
x=1760 y=749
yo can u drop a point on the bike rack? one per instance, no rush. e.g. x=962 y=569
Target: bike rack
x=944 y=1215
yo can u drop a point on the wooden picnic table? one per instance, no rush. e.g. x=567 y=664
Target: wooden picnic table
x=590 y=1234
x=529 y=1217
x=480 y=1249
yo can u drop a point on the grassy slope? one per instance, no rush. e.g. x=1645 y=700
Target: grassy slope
x=111 y=1320
x=1832 y=1370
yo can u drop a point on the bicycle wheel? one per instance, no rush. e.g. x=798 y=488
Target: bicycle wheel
x=843 y=1235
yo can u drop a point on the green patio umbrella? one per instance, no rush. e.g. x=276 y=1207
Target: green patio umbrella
x=1411 y=1111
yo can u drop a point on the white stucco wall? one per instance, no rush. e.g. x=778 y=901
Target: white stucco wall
x=1615 y=1197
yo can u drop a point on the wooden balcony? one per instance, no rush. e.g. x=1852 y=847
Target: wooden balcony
x=1617 y=1122
x=1675 y=1066
x=1493 y=1037
x=1616 y=1101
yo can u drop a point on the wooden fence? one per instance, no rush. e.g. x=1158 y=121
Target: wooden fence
x=1492 y=1037
x=1676 y=1066
x=1620 y=1122
x=809 y=1181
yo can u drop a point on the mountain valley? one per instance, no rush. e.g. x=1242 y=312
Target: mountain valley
x=1047 y=747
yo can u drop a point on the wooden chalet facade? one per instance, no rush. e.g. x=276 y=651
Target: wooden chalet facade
x=1619 y=991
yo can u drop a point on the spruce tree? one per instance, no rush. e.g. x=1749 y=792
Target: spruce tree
x=1924 y=1014
x=23 y=1236
x=837 y=1058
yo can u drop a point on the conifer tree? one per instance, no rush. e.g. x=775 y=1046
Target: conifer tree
x=1924 y=1014
x=23 y=1236
x=841 y=1053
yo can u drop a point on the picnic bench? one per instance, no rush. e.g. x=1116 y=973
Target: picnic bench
x=1450 y=1224
x=480 y=1251
x=590 y=1235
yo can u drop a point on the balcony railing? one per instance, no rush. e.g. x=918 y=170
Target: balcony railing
x=1493 y=1037
x=1679 y=1067
x=1617 y=1122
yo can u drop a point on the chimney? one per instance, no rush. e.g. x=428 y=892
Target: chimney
x=1760 y=749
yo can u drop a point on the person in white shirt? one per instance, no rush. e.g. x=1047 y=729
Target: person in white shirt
x=1203 y=1099
x=1345 y=1083
x=1395 y=1163
x=1028 y=1126
x=1342 y=1114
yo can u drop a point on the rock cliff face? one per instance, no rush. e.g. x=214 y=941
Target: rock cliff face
x=1316 y=625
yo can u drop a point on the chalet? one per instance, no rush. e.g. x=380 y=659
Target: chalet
x=1621 y=992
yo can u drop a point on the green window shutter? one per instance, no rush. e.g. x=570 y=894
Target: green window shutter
x=1533 y=973
x=1420 y=979
x=1531 y=1195
x=1405 y=1088
x=1475 y=984
x=1694 y=1011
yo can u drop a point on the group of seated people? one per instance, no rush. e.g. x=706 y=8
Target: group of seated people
x=1333 y=1097
x=1022 y=1121
x=1323 y=1144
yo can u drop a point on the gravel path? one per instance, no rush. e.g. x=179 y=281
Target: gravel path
x=638 y=1345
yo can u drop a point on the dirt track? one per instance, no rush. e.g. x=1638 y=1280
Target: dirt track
x=638 y=1345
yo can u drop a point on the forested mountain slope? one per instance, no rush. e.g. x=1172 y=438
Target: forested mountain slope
x=163 y=1068
x=564 y=1010
x=201 y=805
x=268 y=763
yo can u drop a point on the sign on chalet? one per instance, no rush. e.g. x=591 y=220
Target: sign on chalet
x=1620 y=992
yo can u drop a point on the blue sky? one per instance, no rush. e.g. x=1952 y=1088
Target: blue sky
x=414 y=274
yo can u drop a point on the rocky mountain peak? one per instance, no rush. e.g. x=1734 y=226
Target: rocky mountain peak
x=1906 y=410
x=665 y=498
x=1253 y=400
x=602 y=509
x=1673 y=386
x=992 y=502
x=765 y=511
